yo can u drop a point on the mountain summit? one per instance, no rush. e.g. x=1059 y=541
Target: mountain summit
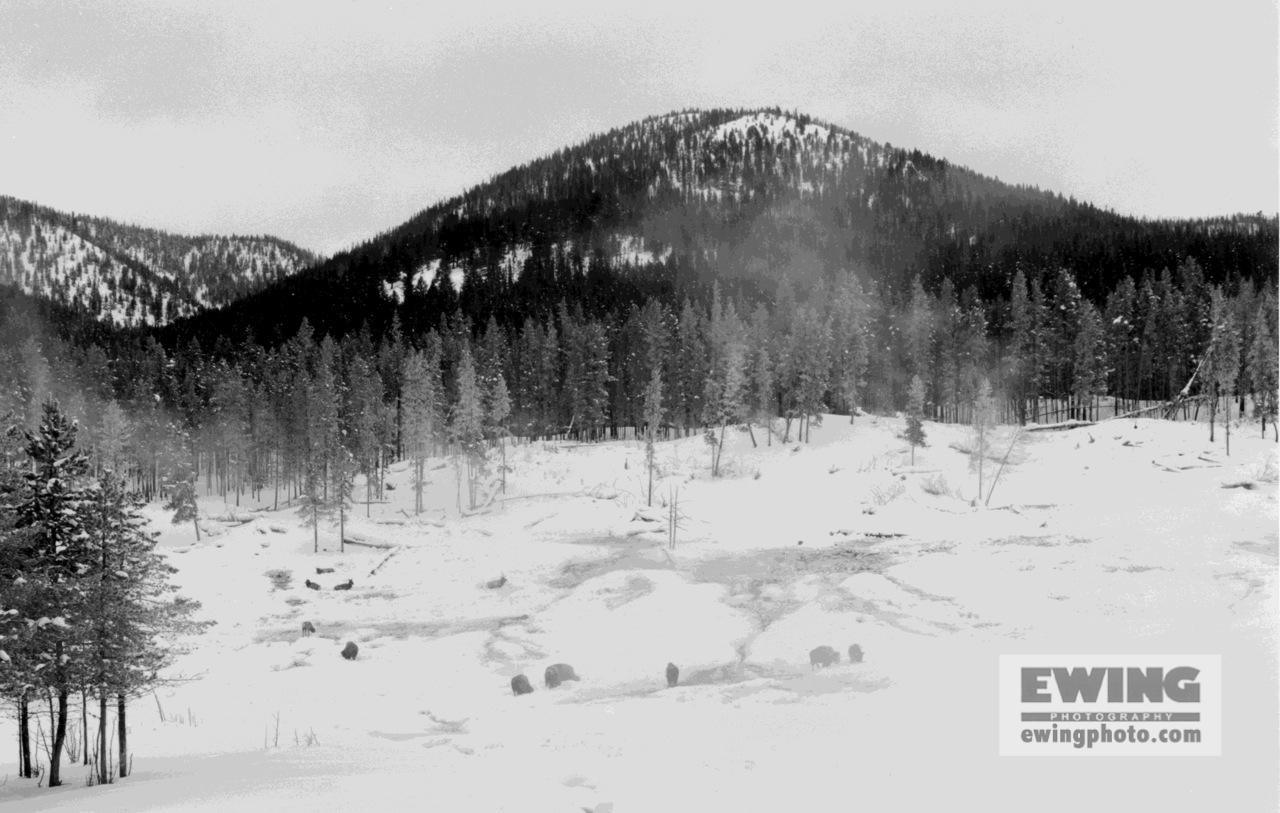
x=746 y=198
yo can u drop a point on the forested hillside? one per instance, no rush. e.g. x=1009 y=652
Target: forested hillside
x=127 y=275
x=664 y=207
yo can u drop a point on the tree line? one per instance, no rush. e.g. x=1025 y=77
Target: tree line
x=303 y=418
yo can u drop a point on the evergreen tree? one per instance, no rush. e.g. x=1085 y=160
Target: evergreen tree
x=131 y=622
x=1263 y=368
x=50 y=559
x=180 y=480
x=467 y=424
x=915 y=415
x=114 y=433
x=363 y=420
x=1089 y=369
x=983 y=421
x=499 y=410
x=419 y=406
x=652 y=420
x=919 y=331
x=1224 y=363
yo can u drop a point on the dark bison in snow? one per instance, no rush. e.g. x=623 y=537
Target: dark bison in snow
x=308 y=628
x=673 y=675
x=823 y=656
x=520 y=685
x=557 y=673
x=350 y=651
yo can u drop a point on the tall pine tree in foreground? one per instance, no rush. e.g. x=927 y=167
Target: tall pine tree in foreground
x=132 y=622
x=50 y=564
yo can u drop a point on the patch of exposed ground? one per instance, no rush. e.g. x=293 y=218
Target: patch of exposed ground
x=394 y=629
x=1041 y=541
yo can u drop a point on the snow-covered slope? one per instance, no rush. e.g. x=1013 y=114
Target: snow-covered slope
x=1086 y=547
x=128 y=275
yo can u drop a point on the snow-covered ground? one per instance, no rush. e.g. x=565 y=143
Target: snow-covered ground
x=1115 y=538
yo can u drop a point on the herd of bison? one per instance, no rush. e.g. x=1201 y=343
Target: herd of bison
x=556 y=674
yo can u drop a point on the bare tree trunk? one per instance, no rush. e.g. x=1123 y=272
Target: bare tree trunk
x=1226 y=422
x=84 y=721
x=102 y=738
x=124 y=752
x=59 y=735
x=24 y=738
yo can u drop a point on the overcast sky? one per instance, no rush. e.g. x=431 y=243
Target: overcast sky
x=327 y=122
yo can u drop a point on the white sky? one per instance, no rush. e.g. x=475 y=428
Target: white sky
x=328 y=122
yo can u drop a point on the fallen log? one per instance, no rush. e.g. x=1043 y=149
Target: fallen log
x=1048 y=427
x=385 y=559
x=367 y=544
x=1170 y=407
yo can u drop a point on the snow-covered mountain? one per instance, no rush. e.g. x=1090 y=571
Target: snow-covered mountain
x=129 y=275
x=665 y=206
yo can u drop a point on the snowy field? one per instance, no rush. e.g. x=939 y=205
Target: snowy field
x=1115 y=538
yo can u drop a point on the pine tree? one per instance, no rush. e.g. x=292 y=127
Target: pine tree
x=363 y=419
x=652 y=420
x=764 y=401
x=181 y=482
x=342 y=479
x=1225 y=359
x=1262 y=368
x=419 y=399
x=114 y=433
x=1089 y=368
x=499 y=411
x=50 y=557
x=467 y=424
x=983 y=420
x=18 y=655
x=915 y=415
x=919 y=331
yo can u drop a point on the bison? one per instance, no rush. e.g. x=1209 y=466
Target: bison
x=823 y=656
x=557 y=673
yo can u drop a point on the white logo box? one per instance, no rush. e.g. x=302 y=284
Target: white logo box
x=1110 y=705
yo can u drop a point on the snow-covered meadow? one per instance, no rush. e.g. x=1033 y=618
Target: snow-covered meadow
x=1113 y=538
